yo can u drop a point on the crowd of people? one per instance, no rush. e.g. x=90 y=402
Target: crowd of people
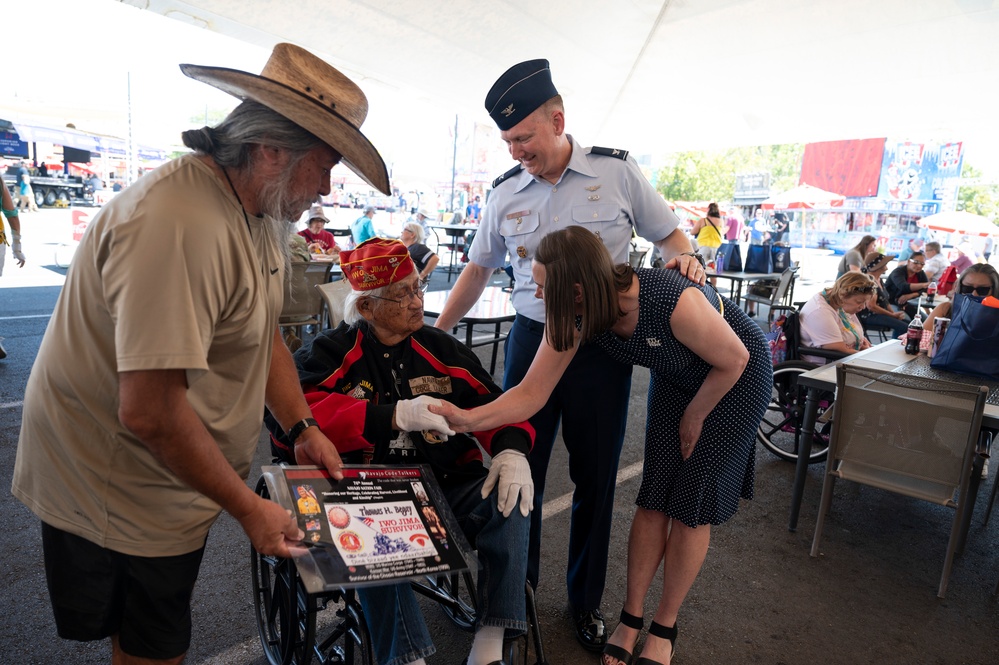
x=152 y=432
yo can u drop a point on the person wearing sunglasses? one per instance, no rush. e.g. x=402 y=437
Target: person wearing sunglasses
x=906 y=282
x=979 y=279
x=879 y=312
x=829 y=319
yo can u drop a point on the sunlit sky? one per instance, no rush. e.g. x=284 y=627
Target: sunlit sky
x=82 y=61
x=86 y=59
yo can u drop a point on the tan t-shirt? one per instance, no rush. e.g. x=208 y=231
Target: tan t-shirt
x=168 y=276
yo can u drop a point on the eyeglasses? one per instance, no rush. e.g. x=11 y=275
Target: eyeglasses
x=407 y=297
x=917 y=263
x=977 y=290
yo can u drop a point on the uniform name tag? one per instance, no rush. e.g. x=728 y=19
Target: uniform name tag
x=515 y=215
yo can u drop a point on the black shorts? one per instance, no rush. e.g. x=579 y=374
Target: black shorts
x=97 y=592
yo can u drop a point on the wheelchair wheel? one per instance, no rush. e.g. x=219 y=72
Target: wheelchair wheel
x=781 y=427
x=287 y=616
x=455 y=593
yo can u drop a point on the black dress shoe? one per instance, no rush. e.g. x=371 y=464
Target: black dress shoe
x=590 y=629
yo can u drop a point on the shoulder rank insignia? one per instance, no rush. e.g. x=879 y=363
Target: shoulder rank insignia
x=609 y=152
x=514 y=171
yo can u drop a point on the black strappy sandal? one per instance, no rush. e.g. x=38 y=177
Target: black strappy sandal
x=665 y=633
x=614 y=651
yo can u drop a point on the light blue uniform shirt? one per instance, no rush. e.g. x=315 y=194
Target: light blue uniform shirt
x=607 y=195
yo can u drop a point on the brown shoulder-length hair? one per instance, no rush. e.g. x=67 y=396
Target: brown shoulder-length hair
x=574 y=256
x=865 y=245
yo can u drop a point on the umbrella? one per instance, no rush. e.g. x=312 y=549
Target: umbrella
x=961 y=222
x=804 y=197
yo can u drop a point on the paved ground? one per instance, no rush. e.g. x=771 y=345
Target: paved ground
x=870 y=597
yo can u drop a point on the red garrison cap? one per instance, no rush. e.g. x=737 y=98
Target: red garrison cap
x=376 y=263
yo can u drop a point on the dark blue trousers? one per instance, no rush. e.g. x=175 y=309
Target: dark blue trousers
x=591 y=400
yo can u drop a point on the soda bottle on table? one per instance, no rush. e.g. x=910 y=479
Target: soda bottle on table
x=914 y=334
x=931 y=291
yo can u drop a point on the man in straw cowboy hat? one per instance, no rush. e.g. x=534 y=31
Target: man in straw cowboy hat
x=142 y=412
x=368 y=382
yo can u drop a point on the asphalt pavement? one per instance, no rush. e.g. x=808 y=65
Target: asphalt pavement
x=870 y=597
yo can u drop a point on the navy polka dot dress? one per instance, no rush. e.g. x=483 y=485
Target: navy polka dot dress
x=705 y=488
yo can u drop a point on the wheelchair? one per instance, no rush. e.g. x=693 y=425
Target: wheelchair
x=297 y=627
x=780 y=430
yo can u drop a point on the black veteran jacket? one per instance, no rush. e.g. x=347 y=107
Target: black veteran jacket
x=352 y=383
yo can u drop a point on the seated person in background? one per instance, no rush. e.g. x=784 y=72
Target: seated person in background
x=906 y=283
x=914 y=245
x=368 y=383
x=413 y=238
x=363 y=228
x=319 y=239
x=936 y=262
x=879 y=312
x=829 y=319
x=980 y=279
x=423 y=218
x=853 y=259
x=966 y=257
x=298 y=249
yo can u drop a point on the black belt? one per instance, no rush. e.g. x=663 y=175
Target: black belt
x=530 y=324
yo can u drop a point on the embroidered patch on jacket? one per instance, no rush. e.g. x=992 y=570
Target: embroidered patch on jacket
x=421 y=385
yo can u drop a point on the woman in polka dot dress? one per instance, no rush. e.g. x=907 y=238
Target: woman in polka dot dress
x=711 y=378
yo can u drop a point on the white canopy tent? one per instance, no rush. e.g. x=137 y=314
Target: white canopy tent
x=655 y=76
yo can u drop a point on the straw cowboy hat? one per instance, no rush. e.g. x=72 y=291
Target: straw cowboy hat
x=313 y=95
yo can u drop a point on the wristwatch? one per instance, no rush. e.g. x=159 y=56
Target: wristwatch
x=299 y=427
x=700 y=259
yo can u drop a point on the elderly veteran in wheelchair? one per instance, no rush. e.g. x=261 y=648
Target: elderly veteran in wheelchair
x=369 y=382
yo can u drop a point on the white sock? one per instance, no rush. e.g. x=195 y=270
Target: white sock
x=487 y=647
x=418 y=661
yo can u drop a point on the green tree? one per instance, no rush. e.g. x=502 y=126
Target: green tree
x=710 y=175
x=980 y=199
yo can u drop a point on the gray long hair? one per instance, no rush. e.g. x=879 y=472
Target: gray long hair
x=351 y=315
x=230 y=144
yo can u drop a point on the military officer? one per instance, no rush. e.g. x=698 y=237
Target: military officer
x=556 y=183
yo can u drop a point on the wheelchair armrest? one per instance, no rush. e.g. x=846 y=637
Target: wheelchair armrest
x=828 y=354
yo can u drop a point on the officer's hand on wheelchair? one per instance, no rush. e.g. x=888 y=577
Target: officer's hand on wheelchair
x=271 y=528
x=413 y=415
x=513 y=474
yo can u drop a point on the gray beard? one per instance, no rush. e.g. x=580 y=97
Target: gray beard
x=281 y=211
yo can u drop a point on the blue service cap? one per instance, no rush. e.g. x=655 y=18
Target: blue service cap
x=519 y=91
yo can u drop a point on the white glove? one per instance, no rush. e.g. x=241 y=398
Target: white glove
x=412 y=415
x=15 y=248
x=510 y=467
